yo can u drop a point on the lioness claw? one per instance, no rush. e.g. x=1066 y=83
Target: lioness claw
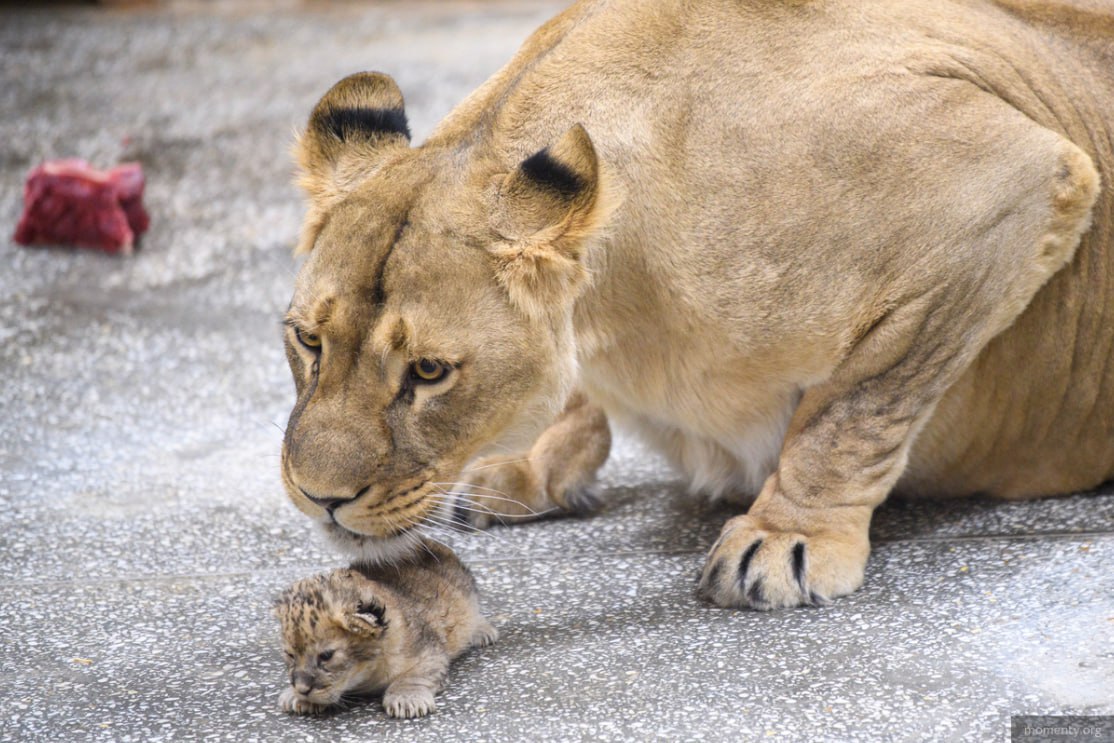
x=756 y=568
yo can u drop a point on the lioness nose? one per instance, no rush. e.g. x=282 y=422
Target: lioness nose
x=329 y=504
x=329 y=465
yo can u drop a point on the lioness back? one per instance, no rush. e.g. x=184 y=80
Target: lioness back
x=1034 y=415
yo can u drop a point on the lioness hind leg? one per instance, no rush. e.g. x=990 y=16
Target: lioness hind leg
x=805 y=539
x=558 y=474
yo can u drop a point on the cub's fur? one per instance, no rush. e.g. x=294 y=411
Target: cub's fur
x=814 y=251
x=392 y=629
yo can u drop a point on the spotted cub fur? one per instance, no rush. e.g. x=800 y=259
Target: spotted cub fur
x=391 y=629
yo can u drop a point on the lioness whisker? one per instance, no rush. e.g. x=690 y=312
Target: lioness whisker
x=496 y=464
x=470 y=495
x=456 y=500
x=438 y=541
x=456 y=527
x=443 y=529
x=430 y=522
x=518 y=503
x=482 y=509
x=427 y=549
x=467 y=485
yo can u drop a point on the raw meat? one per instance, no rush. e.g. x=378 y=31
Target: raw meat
x=69 y=202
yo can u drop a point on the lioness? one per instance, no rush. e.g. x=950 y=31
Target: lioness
x=813 y=250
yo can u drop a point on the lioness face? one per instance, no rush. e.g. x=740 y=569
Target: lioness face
x=429 y=321
x=407 y=357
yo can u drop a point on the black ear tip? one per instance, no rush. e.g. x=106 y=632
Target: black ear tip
x=361 y=106
x=373 y=608
x=361 y=122
x=547 y=171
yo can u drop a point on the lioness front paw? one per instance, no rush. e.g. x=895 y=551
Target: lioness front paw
x=289 y=701
x=761 y=568
x=409 y=703
x=505 y=490
x=496 y=490
x=582 y=500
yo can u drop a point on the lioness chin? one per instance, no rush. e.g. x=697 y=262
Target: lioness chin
x=815 y=252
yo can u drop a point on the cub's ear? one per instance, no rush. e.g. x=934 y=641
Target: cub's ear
x=352 y=127
x=545 y=211
x=368 y=619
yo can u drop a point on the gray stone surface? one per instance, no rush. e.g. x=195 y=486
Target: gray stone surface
x=143 y=532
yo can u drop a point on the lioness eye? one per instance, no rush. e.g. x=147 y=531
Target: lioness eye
x=307 y=339
x=324 y=657
x=428 y=371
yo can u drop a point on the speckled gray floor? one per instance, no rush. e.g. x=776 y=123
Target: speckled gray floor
x=143 y=531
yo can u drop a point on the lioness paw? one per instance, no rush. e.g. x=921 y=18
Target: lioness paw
x=506 y=490
x=290 y=702
x=761 y=568
x=582 y=500
x=410 y=703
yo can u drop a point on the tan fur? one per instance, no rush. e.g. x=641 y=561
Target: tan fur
x=392 y=630
x=557 y=473
x=819 y=251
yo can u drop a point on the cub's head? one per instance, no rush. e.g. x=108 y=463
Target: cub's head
x=333 y=631
x=432 y=318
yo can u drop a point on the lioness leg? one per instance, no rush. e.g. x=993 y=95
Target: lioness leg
x=559 y=471
x=805 y=539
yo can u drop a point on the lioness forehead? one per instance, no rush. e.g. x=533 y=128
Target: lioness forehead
x=352 y=249
x=380 y=246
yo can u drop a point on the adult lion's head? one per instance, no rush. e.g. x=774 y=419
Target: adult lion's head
x=432 y=317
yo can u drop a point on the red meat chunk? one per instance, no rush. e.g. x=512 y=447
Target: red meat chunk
x=68 y=202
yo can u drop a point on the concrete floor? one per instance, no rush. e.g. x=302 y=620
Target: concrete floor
x=143 y=531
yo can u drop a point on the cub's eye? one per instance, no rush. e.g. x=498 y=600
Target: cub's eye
x=324 y=657
x=312 y=341
x=428 y=371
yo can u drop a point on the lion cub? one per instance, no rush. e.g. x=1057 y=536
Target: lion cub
x=391 y=629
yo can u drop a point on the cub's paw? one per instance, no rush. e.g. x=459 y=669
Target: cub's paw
x=754 y=566
x=484 y=635
x=290 y=702
x=409 y=703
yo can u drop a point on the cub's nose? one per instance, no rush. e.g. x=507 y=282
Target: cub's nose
x=302 y=682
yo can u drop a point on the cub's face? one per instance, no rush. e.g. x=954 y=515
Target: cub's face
x=333 y=635
x=432 y=318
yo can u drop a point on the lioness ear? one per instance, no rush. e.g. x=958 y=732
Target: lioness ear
x=545 y=211
x=356 y=123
